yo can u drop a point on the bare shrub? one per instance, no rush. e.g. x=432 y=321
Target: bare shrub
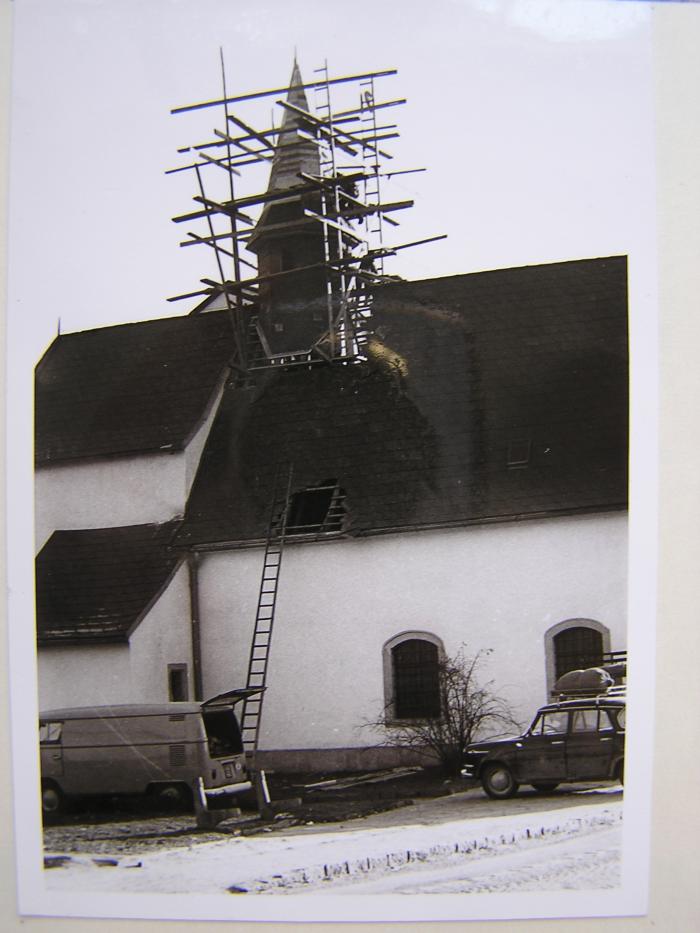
x=469 y=711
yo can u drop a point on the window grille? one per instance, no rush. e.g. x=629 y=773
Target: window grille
x=577 y=648
x=416 y=680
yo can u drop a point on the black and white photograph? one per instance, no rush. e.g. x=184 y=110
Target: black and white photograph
x=333 y=336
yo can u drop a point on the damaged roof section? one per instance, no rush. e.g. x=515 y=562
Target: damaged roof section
x=96 y=585
x=485 y=397
x=131 y=388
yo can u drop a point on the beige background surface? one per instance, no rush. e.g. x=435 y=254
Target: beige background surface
x=675 y=889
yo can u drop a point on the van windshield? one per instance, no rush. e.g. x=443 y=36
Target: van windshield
x=223 y=733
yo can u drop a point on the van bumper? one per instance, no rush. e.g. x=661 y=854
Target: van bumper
x=226 y=790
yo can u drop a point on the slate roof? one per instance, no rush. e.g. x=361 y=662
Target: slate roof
x=463 y=367
x=96 y=585
x=130 y=388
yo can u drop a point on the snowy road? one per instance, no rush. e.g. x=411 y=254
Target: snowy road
x=328 y=860
x=587 y=861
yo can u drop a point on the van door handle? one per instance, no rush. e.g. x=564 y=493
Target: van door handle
x=558 y=742
x=56 y=756
x=606 y=739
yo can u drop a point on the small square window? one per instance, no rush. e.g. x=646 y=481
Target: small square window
x=177 y=683
x=519 y=454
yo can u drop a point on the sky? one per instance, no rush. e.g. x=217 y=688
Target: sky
x=531 y=117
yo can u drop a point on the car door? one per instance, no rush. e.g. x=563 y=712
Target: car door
x=590 y=744
x=541 y=752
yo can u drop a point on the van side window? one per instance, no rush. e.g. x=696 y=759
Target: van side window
x=50 y=731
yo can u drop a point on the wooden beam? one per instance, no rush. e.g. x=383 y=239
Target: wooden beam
x=254 y=152
x=364 y=109
x=281 y=90
x=337 y=226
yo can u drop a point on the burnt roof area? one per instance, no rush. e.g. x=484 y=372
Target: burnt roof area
x=96 y=585
x=127 y=389
x=490 y=396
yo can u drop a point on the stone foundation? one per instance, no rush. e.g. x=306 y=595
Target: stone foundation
x=337 y=759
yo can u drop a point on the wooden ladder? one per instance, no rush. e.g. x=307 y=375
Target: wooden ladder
x=265 y=614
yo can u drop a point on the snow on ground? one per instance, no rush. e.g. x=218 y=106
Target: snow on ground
x=589 y=860
x=300 y=861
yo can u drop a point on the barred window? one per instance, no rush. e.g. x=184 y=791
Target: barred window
x=416 y=679
x=577 y=648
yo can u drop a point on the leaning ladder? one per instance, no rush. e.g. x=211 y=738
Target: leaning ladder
x=265 y=614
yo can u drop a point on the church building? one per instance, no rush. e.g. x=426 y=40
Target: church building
x=458 y=483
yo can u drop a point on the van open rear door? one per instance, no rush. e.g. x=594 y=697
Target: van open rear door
x=231 y=697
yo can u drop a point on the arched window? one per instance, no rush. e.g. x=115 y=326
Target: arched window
x=411 y=673
x=574 y=645
x=577 y=648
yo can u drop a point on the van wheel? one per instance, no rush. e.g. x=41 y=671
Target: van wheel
x=498 y=781
x=52 y=800
x=172 y=796
x=621 y=773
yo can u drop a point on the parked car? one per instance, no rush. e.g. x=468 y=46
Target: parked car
x=191 y=752
x=572 y=740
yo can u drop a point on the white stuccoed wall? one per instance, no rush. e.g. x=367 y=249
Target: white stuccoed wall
x=92 y=675
x=108 y=493
x=491 y=586
x=163 y=637
x=81 y=676
x=112 y=491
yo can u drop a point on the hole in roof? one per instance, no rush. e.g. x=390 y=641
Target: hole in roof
x=316 y=509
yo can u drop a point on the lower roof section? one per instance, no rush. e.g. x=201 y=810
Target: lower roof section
x=96 y=585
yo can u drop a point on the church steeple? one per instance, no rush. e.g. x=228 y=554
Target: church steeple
x=284 y=239
x=294 y=154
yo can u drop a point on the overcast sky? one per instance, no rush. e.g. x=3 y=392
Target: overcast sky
x=533 y=120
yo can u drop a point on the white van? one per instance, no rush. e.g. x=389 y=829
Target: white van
x=192 y=751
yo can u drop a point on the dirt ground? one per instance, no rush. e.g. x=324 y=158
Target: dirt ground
x=113 y=825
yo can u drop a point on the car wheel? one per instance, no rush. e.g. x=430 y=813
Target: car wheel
x=52 y=800
x=498 y=782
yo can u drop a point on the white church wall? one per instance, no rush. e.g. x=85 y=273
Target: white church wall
x=499 y=587
x=136 y=672
x=87 y=675
x=113 y=491
x=108 y=493
x=162 y=638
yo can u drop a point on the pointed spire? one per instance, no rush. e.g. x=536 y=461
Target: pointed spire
x=294 y=154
